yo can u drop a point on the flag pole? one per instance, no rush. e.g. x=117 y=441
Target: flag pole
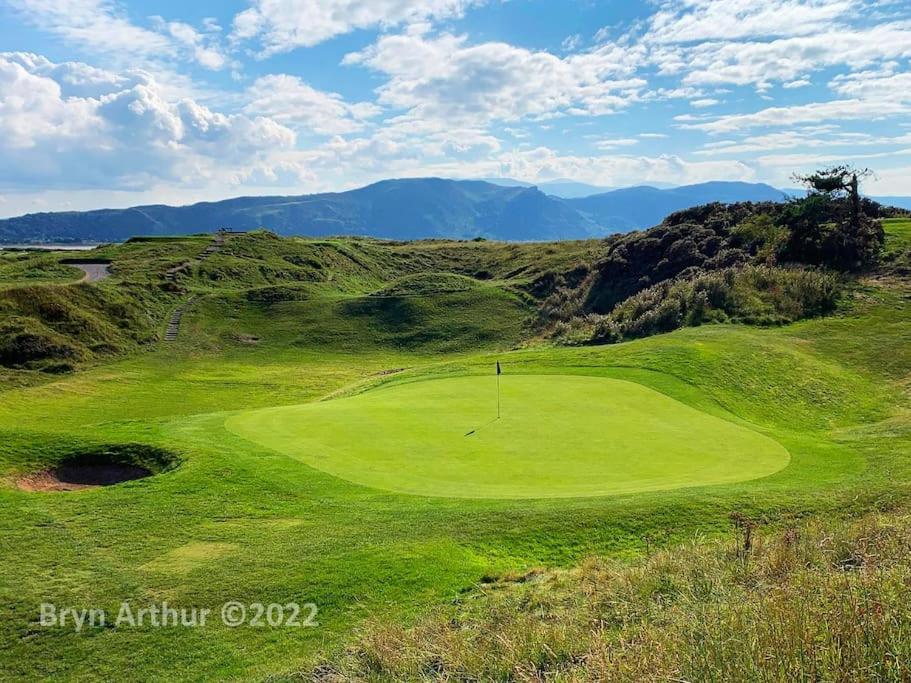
x=498 y=390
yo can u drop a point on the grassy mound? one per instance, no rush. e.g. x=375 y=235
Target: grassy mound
x=425 y=284
x=33 y=267
x=558 y=436
x=484 y=317
x=52 y=324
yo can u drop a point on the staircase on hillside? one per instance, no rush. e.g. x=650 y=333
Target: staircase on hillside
x=173 y=329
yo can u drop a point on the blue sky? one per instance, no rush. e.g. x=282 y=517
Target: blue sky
x=114 y=103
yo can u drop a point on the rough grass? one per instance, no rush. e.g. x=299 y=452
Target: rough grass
x=34 y=267
x=424 y=284
x=445 y=322
x=824 y=600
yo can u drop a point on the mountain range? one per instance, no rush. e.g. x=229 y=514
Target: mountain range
x=411 y=208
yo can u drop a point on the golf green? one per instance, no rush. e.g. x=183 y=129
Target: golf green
x=557 y=436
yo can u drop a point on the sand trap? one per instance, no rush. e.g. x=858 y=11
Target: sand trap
x=104 y=467
x=76 y=476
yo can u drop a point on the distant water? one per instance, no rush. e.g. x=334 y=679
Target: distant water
x=50 y=247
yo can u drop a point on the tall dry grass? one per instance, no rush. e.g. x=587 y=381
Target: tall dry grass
x=819 y=602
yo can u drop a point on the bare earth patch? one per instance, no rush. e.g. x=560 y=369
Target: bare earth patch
x=190 y=556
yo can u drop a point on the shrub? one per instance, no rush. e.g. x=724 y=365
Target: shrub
x=753 y=294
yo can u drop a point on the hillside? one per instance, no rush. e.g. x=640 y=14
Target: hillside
x=633 y=208
x=415 y=208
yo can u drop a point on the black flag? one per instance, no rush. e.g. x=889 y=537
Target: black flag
x=498 y=368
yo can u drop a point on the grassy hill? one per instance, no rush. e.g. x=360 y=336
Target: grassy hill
x=299 y=325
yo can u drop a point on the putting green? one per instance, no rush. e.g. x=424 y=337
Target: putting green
x=558 y=436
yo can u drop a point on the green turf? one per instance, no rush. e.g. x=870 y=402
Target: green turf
x=241 y=521
x=898 y=233
x=558 y=436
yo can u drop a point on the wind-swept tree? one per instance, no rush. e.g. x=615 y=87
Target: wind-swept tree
x=836 y=182
x=829 y=226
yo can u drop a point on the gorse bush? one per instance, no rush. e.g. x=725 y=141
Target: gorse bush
x=819 y=602
x=683 y=272
x=753 y=294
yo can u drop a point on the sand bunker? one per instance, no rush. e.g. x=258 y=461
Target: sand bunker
x=101 y=468
x=74 y=477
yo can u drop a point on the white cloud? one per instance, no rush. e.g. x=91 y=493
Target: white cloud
x=125 y=134
x=784 y=59
x=33 y=110
x=445 y=78
x=98 y=24
x=890 y=181
x=799 y=138
x=615 y=143
x=571 y=43
x=816 y=112
x=294 y=103
x=879 y=85
x=803 y=160
x=103 y=27
x=444 y=101
x=681 y=21
x=204 y=48
x=283 y=25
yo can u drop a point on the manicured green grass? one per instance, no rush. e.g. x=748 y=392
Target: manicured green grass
x=558 y=436
x=238 y=520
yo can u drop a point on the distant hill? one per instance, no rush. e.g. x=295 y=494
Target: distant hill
x=563 y=188
x=900 y=202
x=569 y=189
x=633 y=208
x=397 y=209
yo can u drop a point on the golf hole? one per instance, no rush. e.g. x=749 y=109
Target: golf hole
x=105 y=466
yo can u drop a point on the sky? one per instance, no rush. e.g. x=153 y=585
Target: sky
x=112 y=103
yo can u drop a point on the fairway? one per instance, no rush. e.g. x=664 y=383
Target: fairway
x=559 y=436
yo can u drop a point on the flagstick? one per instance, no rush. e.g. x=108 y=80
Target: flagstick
x=498 y=394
